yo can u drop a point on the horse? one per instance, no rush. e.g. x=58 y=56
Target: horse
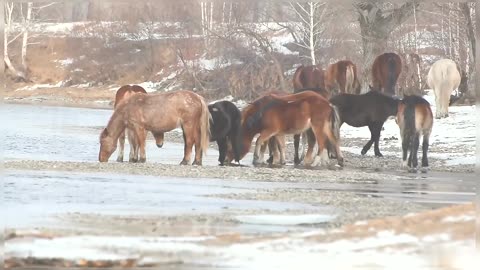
x=226 y=127
x=274 y=115
x=443 y=77
x=341 y=77
x=415 y=119
x=123 y=94
x=371 y=109
x=159 y=113
x=385 y=71
x=312 y=77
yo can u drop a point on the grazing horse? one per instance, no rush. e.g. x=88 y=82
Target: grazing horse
x=274 y=115
x=159 y=113
x=371 y=109
x=415 y=119
x=226 y=127
x=123 y=94
x=385 y=71
x=311 y=77
x=341 y=77
x=443 y=77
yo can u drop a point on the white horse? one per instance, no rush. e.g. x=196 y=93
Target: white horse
x=443 y=78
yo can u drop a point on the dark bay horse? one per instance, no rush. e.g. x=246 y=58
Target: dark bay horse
x=341 y=77
x=159 y=113
x=385 y=71
x=122 y=95
x=415 y=119
x=291 y=114
x=312 y=77
x=226 y=127
x=371 y=109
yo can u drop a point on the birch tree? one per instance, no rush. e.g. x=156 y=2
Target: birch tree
x=9 y=8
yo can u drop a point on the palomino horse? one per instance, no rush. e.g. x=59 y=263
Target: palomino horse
x=371 y=109
x=160 y=113
x=415 y=119
x=226 y=128
x=123 y=93
x=385 y=71
x=443 y=78
x=291 y=114
x=311 y=77
x=341 y=77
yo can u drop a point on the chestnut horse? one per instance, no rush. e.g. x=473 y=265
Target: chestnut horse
x=443 y=77
x=274 y=115
x=415 y=119
x=341 y=77
x=385 y=71
x=124 y=93
x=160 y=113
x=311 y=77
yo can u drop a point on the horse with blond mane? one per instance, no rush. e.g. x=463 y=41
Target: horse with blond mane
x=443 y=77
x=159 y=113
x=122 y=95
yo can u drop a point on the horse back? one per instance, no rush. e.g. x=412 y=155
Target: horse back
x=125 y=92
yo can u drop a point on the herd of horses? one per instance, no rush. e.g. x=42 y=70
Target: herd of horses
x=321 y=102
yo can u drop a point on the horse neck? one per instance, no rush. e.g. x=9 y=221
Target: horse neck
x=247 y=137
x=116 y=125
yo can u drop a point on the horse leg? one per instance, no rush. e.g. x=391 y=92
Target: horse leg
x=367 y=146
x=121 y=142
x=142 y=139
x=296 y=144
x=281 y=148
x=272 y=151
x=311 y=139
x=424 y=152
x=187 y=150
x=222 y=149
x=258 y=155
x=405 y=147
x=377 y=129
x=321 y=139
x=133 y=141
x=198 y=150
x=416 y=143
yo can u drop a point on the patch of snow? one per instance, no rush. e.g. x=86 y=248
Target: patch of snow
x=285 y=219
x=462 y=218
x=150 y=86
x=65 y=62
x=40 y=86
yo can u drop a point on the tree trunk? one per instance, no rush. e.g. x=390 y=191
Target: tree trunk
x=25 y=35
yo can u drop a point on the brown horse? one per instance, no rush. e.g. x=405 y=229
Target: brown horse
x=415 y=119
x=311 y=77
x=341 y=77
x=122 y=95
x=385 y=71
x=274 y=115
x=160 y=113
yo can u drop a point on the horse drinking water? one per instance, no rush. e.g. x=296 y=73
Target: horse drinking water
x=443 y=77
x=160 y=113
x=415 y=119
x=122 y=95
x=226 y=127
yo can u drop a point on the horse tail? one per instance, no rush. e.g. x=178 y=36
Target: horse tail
x=391 y=76
x=254 y=120
x=335 y=122
x=297 y=83
x=349 y=79
x=304 y=145
x=205 y=119
x=409 y=129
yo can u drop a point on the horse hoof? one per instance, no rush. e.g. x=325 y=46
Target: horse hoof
x=296 y=161
x=412 y=170
x=184 y=162
x=378 y=155
x=119 y=160
x=197 y=163
x=133 y=160
x=142 y=160
x=363 y=152
x=424 y=169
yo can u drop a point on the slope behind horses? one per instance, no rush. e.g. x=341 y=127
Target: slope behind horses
x=160 y=113
x=443 y=78
x=226 y=127
x=341 y=77
x=385 y=71
x=291 y=114
x=371 y=109
x=122 y=95
x=415 y=119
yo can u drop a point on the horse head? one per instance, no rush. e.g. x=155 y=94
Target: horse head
x=107 y=146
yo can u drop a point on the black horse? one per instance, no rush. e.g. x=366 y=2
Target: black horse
x=226 y=127
x=371 y=109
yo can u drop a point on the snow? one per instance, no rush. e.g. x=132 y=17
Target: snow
x=284 y=219
x=65 y=62
x=40 y=86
